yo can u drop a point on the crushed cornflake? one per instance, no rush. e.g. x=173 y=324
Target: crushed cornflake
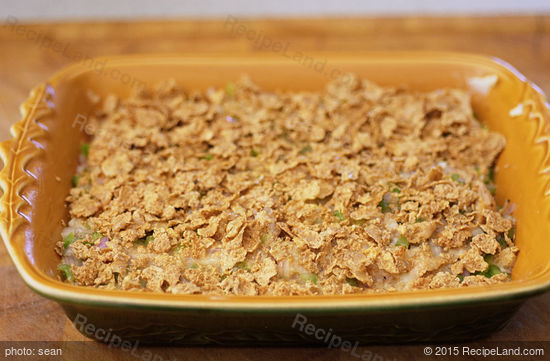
x=239 y=190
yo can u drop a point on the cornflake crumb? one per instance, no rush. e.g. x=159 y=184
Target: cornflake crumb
x=353 y=189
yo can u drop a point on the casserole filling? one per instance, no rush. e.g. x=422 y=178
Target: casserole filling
x=355 y=188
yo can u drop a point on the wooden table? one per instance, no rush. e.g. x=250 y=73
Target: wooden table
x=522 y=41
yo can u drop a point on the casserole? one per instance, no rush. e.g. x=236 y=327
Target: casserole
x=42 y=157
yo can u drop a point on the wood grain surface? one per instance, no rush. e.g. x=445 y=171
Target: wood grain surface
x=28 y=56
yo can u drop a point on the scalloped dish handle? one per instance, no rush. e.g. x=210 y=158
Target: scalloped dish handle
x=13 y=176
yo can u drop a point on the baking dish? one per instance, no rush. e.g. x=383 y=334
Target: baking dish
x=42 y=157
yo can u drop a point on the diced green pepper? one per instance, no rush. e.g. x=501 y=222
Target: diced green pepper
x=501 y=241
x=492 y=270
x=75 y=180
x=242 y=265
x=338 y=214
x=489 y=180
x=85 y=149
x=512 y=233
x=492 y=188
x=207 y=157
x=402 y=241
x=144 y=241
x=476 y=168
x=70 y=238
x=311 y=277
x=354 y=282
x=66 y=272
x=177 y=249
x=264 y=237
x=384 y=206
x=490 y=176
x=230 y=89
x=306 y=149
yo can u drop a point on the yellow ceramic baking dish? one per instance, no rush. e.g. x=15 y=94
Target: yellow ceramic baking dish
x=42 y=157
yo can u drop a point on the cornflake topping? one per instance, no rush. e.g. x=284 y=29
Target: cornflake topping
x=239 y=190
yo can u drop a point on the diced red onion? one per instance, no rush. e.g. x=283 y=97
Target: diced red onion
x=103 y=242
